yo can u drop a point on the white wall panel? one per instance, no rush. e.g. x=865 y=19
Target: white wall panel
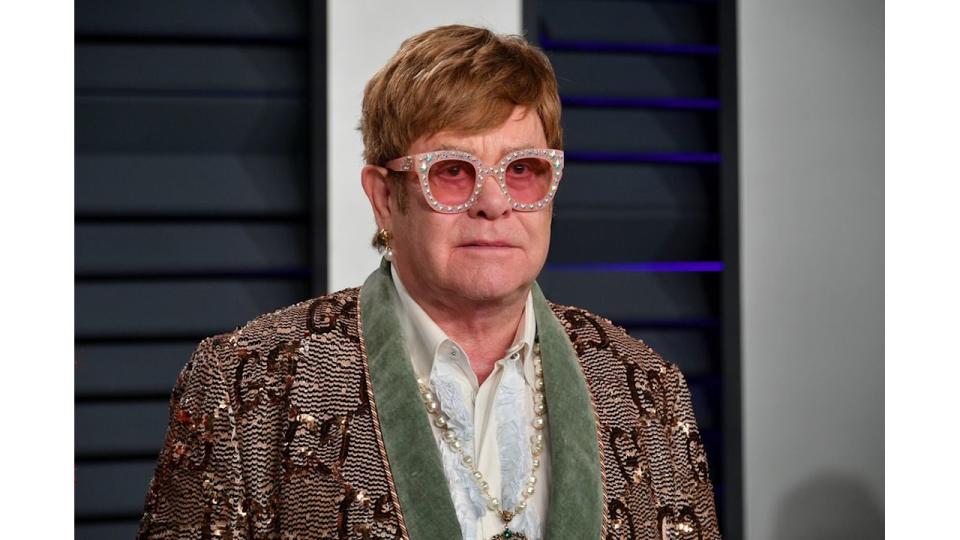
x=812 y=225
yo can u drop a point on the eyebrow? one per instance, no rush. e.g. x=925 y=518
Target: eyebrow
x=470 y=151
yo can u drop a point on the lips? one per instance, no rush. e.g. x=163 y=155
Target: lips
x=487 y=243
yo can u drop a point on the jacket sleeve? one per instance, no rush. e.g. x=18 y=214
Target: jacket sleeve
x=197 y=487
x=691 y=459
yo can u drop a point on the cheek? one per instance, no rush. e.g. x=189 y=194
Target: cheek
x=428 y=237
x=539 y=230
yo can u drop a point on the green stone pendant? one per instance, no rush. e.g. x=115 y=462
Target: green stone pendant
x=507 y=533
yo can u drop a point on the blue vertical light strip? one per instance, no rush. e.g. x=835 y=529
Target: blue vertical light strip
x=629 y=47
x=705 y=323
x=709 y=386
x=587 y=45
x=706 y=158
x=637 y=102
x=651 y=266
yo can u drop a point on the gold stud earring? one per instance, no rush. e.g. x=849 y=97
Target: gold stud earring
x=381 y=241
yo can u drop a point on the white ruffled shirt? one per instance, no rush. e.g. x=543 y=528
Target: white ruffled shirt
x=492 y=420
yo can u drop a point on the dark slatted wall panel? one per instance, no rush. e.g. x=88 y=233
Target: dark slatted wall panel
x=637 y=232
x=192 y=214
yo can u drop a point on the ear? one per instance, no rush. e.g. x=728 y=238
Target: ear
x=377 y=187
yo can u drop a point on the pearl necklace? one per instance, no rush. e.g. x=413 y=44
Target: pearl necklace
x=536 y=440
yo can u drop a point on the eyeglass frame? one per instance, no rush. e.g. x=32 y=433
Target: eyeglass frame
x=424 y=160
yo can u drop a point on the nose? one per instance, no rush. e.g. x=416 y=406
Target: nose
x=491 y=202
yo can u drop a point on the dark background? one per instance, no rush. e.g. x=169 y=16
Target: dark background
x=200 y=174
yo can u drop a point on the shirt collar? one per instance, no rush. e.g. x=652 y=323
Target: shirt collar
x=424 y=338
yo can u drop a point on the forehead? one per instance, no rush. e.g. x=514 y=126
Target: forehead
x=523 y=129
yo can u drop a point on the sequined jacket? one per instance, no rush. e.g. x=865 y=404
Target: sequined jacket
x=306 y=423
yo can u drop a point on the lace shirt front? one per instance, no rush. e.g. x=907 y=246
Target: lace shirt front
x=492 y=420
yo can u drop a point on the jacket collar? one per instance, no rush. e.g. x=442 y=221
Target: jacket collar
x=575 y=504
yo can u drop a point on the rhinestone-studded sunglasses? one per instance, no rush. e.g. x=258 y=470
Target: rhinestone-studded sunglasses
x=451 y=180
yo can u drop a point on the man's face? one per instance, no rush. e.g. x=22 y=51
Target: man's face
x=490 y=253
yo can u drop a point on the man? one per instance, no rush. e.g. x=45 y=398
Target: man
x=445 y=398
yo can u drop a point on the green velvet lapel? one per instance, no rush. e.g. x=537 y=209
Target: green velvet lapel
x=575 y=507
x=425 y=502
x=576 y=494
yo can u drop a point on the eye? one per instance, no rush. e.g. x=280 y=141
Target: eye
x=452 y=170
x=526 y=168
x=519 y=168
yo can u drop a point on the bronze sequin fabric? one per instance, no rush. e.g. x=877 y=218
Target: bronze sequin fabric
x=273 y=434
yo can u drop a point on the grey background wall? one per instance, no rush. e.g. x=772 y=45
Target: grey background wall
x=812 y=222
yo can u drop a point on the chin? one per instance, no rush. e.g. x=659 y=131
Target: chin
x=489 y=284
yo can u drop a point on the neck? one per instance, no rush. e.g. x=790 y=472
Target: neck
x=485 y=330
x=485 y=335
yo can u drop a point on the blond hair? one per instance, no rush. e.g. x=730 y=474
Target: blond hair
x=455 y=77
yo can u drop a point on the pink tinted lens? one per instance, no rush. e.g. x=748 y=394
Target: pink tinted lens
x=528 y=179
x=452 y=181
